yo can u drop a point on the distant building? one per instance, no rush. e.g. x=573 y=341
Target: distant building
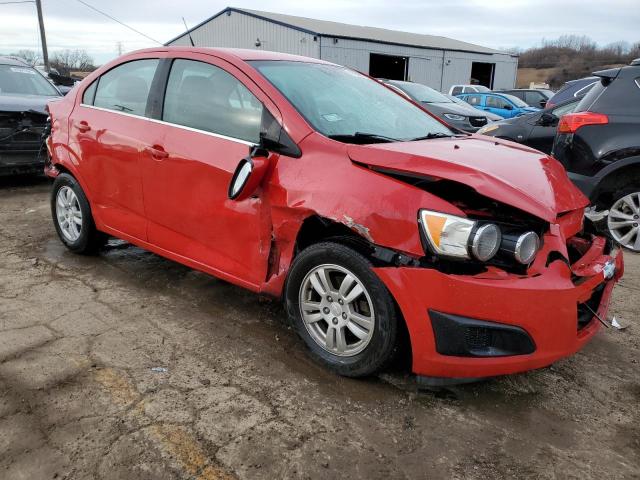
x=438 y=62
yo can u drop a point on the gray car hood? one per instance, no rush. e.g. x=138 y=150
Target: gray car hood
x=22 y=103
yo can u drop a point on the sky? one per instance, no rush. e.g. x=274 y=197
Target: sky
x=491 y=23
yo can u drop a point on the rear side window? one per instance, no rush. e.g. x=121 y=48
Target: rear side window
x=202 y=96
x=90 y=93
x=589 y=99
x=456 y=91
x=126 y=87
x=474 y=99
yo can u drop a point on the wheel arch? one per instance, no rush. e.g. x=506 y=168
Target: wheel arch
x=621 y=174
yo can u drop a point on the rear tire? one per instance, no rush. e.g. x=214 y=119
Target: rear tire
x=72 y=216
x=341 y=309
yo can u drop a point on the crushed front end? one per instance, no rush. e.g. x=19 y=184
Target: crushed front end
x=21 y=142
x=472 y=324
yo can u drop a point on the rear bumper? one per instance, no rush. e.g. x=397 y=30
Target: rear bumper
x=545 y=306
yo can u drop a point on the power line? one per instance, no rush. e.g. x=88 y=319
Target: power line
x=118 y=21
x=21 y=1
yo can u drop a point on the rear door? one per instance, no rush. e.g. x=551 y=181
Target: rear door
x=105 y=133
x=210 y=118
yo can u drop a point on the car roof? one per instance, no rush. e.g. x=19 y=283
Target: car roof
x=13 y=61
x=244 y=54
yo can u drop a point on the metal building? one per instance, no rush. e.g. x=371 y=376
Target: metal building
x=435 y=61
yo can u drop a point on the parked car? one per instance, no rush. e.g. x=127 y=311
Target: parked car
x=314 y=183
x=506 y=106
x=463 y=117
x=534 y=97
x=24 y=94
x=536 y=130
x=491 y=116
x=572 y=89
x=599 y=144
x=458 y=89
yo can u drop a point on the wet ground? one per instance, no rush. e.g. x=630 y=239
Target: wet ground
x=129 y=366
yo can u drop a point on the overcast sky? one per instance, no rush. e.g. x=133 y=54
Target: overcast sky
x=492 y=23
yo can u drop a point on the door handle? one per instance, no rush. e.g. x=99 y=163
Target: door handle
x=156 y=152
x=83 y=126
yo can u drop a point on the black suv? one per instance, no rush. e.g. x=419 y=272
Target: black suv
x=599 y=145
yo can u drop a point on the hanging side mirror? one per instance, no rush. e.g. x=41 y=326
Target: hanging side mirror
x=248 y=175
x=547 y=119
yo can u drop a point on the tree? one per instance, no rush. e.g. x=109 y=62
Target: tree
x=68 y=60
x=30 y=56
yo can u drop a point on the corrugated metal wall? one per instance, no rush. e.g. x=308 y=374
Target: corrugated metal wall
x=431 y=67
x=241 y=31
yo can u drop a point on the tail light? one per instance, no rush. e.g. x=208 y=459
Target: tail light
x=571 y=122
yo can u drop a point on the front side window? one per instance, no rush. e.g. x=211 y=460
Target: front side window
x=496 y=102
x=18 y=80
x=533 y=98
x=342 y=104
x=202 y=96
x=125 y=88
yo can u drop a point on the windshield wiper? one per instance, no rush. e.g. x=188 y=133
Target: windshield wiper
x=364 y=136
x=429 y=136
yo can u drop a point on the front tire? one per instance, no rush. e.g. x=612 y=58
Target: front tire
x=341 y=309
x=72 y=216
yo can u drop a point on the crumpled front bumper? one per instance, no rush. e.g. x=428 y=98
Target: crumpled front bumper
x=545 y=304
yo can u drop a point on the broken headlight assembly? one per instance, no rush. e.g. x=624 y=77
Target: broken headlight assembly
x=463 y=238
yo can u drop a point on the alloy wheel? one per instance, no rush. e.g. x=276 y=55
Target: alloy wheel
x=337 y=310
x=69 y=214
x=624 y=221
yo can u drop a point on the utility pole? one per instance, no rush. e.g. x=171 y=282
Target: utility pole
x=43 y=37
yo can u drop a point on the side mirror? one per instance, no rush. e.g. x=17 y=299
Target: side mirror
x=547 y=120
x=543 y=103
x=248 y=175
x=508 y=107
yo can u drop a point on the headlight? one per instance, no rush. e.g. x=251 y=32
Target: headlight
x=488 y=128
x=486 y=242
x=454 y=236
x=453 y=116
x=523 y=247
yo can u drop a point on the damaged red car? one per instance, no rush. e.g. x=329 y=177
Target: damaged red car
x=371 y=219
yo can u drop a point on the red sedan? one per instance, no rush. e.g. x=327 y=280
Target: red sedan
x=311 y=182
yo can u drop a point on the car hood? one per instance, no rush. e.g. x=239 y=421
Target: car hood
x=21 y=103
x=518 y=176
x=442 y=108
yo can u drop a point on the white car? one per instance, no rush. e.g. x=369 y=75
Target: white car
x=458 y=89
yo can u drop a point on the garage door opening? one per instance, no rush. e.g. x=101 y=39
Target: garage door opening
x=388 y=66
x=482 y=74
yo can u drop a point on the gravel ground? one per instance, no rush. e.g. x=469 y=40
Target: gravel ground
x=129 y=366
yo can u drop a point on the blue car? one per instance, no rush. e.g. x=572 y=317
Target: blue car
x=505 y=105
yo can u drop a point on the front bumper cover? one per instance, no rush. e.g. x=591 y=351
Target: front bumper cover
x=544 y=304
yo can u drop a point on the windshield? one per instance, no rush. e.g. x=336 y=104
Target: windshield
x=17 y=80
x=421 y=93
x=515 y=100
x=345 y=105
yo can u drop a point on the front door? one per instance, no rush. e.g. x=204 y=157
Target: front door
x=209 y=121
x=499 y=106
x=106 y=129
